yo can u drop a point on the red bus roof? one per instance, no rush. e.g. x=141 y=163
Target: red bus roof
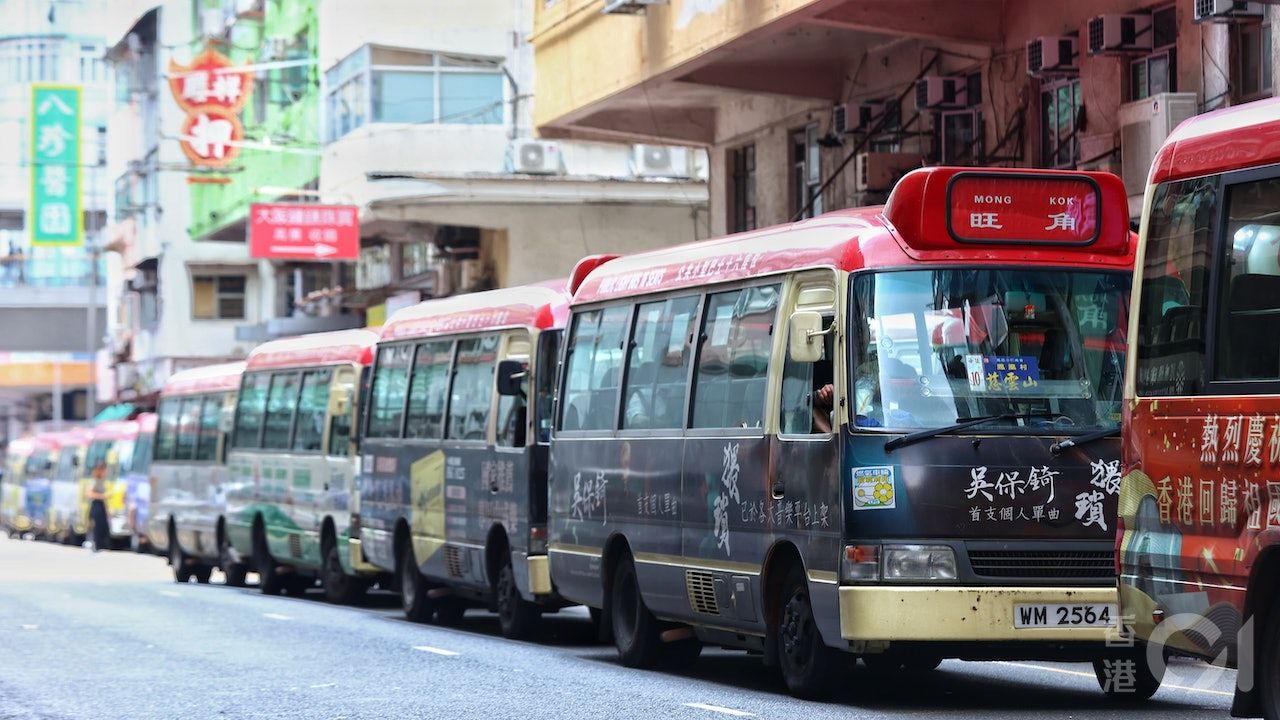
x=541 y=306
x=57 y=439
x=915 y=226
x=147 y=422
x=1233 y=138
x=116 y=430
x=326 y=348
x=223 y=377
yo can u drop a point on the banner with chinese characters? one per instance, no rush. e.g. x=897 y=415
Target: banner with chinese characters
x=57 y=197
x=212 y=92
x=1015 y=208
x=293 y=231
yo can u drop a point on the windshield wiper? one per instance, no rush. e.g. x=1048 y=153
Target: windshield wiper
x=966 y=423
x=1059 y=447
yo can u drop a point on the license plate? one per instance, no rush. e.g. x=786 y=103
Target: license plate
x=1064 y=616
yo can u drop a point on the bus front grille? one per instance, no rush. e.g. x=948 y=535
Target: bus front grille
x=1085 y=564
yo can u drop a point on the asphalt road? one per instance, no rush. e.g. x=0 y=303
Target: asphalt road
x=111 y=636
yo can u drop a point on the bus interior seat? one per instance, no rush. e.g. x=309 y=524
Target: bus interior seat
x=1252 y=350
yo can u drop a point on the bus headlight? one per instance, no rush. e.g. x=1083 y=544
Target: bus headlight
x=919 y=562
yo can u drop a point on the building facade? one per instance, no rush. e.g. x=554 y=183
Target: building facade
x=812 y=105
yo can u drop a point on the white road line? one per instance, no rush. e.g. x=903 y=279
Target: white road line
x=435 y=650
x=170 y=593
x=719 y=709
x=276 y=616
x=325 y=685
x=1091 y=676
x=30 y=627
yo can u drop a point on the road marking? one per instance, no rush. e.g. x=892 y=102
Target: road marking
x=1091 y=676
x=170 y=593
x=719 y=709
x=325 y=685
x=30 y=627
x=276 y=616
x=435 y=650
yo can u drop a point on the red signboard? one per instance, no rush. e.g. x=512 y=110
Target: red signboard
x=1016 y=208
x=212 y=91
x=291 y=231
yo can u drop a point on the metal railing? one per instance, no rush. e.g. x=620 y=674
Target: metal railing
x=19 y=272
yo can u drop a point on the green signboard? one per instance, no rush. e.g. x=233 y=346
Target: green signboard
x=57 y=197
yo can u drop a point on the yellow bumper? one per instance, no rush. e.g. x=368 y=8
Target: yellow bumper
x=960 y=613
x=358 y=563
x=539 y=575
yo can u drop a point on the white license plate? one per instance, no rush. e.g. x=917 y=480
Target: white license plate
x=1064 y=616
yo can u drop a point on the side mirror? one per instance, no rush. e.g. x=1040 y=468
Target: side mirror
x=339 y=401
x=510 y=375
x=805 y=340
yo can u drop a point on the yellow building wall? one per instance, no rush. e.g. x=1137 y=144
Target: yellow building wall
x=583 y=56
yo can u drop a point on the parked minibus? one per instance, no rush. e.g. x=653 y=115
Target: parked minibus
x=112 y=448
x=452 y=493
x=187 y=505
x=1199 y=551
x=292 y=462
x=885 y=431
x=37 y=482
x=12 y=494
x=66 y=522
x=136 y=476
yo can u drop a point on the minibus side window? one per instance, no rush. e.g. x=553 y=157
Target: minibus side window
x=428 y=389
x=590 y=400
x=472 y=388
x=167 y=429
x=249 y=409
x=801 y=384
x=513 y=410
x=207 y=442
x=733 y=362
x=545 y=371
x=657 y=365
x=1248 y=339
x=188 y=429
x=282 y=400
x=386 y=406
x=313 y=405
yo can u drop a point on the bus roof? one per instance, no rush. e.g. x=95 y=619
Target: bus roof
x=147 y=422
x=116 y=430
x=920 y=223
x=223 y=377
x=542 y=305
x=326 y=348
x=1237 y=137
x=57 y=439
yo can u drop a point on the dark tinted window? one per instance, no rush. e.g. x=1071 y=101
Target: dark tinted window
x=733 y=362
x=386 y=409
x=428 y=390
x=250 y=406
x=1247 y=346
x=167 y=428
x=207 y=441
x=313 y=405
x=188 y=429
x=472 y=388
x=657 y=364
x=282 y=400
x=593 y=371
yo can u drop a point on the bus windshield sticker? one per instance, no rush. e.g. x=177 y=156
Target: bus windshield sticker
x=1010 y=373
x=973 y=370
x=874 y=488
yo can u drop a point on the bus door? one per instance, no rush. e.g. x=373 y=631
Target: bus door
x=726 y=455
x=505 y=490
x=804 y=492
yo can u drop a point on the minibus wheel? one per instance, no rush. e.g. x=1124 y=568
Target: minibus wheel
x=1140 y=680
x=235 y=572
x=178 y=560
x=270 y=580
x=1269 y=668
x=635 y=630
x=807 y=663
x=413 y=589
x=339 y=587
x=517 y=616
x=202 y=573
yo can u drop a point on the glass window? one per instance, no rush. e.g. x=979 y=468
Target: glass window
x=428 y=390
x=167 y=428
x=282 y=400
x=657 y=366
x=940 y=345
x=386 y=407
x=218 y=297
x=1059 y=106
x=742 y=166
x=733 y=360
x=806 y=169
x=471 y=98
x=313 y=406
x=594 y=363
x=513 y=411
x=472 y=388
x=250 y=406
x=188 y=429
x=404 y=97
x=1175 y=282
x=142 y=453
x=806 y=385
x=545 y=371
x=340 y=443
x=960 y=139
x=1157 y=72
x=1248 y=340
x=210 y=415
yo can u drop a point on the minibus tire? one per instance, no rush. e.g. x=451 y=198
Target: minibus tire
x=635 y=629
x=517 y=617
x=270 y=580
x=450 y=609
x=1269 y=668
x=178 y=560
x=339 y=587
x=235 y=572
x=807 y=664
x=413 y=589
x=202 y=573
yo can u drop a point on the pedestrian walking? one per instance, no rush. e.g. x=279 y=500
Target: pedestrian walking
x=97 y=495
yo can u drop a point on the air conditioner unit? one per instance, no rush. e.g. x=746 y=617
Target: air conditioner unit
x=1047 y=56
x=1220 y=10
x=862 y=117
x=536 y=157
x=628 y=7
x=1119 y=34
x=937 y=92
x=879 y=172
x=660 y=161
x=1144 y=125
